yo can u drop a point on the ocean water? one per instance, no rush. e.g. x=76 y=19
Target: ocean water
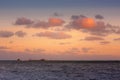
x=59 y=70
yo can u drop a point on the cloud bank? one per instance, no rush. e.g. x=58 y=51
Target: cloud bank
x=52 y=22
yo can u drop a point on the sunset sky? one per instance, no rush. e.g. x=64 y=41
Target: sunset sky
x=60 y=29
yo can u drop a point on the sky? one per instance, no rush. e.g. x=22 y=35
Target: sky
x=60 y=29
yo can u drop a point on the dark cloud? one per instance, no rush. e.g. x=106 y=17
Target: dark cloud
x=23 y=21
x=20 y=33
x=53 y=35
x=56 y=14
x=74 y=17
x=98 y=16
x=6 y=34
x=92 y=38
x=82 y=16
x=52 y=22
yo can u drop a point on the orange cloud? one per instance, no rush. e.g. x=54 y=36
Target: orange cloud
x=85 y=22
x=55 y=22
x=88 y=22
x=89 y=25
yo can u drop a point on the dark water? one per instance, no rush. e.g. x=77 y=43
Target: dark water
x=60 y=70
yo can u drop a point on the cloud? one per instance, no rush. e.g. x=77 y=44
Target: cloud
x=86 y=50
x=57 y=14
x=23 y=21
x=20 y=33
x=101 y=29
x=34 y=50
x=89 y=25
x=52 y=22
x=117 y=39
x=6 y=34
x=64 y=43
x=23 y=55
x=78 y=22
x=77 y=54
x=92 y=38
x=11 y=42
x=4 y=47
x=56 y=22
x=77 y=51
x=27 y=50
x=39 y=24
x=74 y=17
x=98 y=16
x=117 y=30
x=71 y=52
x=81 y=23
x=53 y=35
x=66 y=55
x=38 y=50
x=105 y=42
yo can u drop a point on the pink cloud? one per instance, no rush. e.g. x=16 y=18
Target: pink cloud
x=92 y=38
x=6 y=34
x=23 y=21
x=53 y=35
x=20 y=33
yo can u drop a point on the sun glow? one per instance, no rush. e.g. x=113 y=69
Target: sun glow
x=88 y=23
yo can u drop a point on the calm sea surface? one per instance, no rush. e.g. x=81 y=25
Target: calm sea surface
x=60 y=70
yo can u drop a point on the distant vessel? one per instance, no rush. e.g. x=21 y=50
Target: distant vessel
x=18 y=60
x=42 y=60
x=37 y=60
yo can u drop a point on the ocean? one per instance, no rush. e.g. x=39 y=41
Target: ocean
x=59 y=70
